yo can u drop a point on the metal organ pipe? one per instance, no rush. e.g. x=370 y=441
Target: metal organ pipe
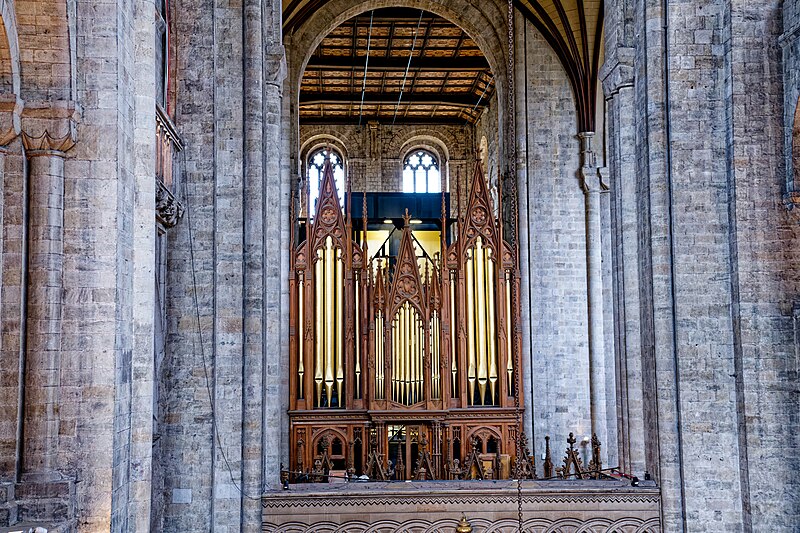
x=509 y=349
x=329 y=310
x=319 y=322
x=358 y=337
x=480 y=289
x=339 y=320
x=491 y=339
x=453 y=334
x=471 y=363
x=301 y=370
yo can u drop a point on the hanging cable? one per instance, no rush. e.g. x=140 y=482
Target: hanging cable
x=216 y=436
x=408 y=66
x=480 y=98
x=366 y=66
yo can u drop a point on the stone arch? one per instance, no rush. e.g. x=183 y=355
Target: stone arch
x=315 y=142
x=432 y=145
x=428 y=142
x=485 y=23
x=9 y=49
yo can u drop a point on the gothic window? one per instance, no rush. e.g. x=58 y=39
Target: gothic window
x=162 y=51
x=316 y=164
x=421 y=172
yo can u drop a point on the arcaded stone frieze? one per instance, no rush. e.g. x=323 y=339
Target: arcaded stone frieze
x=601 y=506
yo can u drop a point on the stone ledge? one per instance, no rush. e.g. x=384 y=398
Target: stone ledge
x=599 y=506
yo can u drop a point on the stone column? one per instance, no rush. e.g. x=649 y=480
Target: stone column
x=592 y=186
x=10 y=360
x=44 y=300
x=626 y=212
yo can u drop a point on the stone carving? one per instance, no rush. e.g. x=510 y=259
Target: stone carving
x=168 y=209
x=509 y=525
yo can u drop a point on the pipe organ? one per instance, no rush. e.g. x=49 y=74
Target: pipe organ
x=404 y=367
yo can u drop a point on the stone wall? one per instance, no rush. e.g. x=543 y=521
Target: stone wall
x=553 y=247
x=704 y=258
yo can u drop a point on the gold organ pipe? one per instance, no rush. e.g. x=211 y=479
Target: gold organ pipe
x=358 y=340
x=435 y=357
x=399 y=351
x=420 y=342
x=395 y=352
x=432 y=354
x=439 y=354
x=319 y=320
x=301 y=370
x=330 y=349
x=491 y=339
x=412 y=360
x=383 y=358
x=480 y=305
x=406 y=352
x=509 y=356
x=378 y=357
x=453 y=336
x=438 y=357
x=421 y=357
x=339 y=322
x=409 y=348
x=471 y=374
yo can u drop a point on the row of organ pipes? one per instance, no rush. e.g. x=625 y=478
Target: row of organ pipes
x=408 y=334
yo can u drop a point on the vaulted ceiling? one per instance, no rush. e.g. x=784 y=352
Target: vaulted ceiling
x=574 y=29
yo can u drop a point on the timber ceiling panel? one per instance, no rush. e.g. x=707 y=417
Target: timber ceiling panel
x=421 y=68
x=574 y=28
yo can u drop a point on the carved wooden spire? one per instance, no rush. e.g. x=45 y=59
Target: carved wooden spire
x=406 y=282
x=328 y=219
x=479 y=214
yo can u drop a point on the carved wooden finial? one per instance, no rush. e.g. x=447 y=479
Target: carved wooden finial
x=548 y=458
x=406 y=219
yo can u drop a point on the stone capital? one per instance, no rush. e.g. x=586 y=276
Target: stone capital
x=274 y=65
x=592 y=180
x=617 y=72
x=49 y=128
x=10 y=110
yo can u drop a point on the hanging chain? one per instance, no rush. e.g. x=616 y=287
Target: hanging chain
x=512 y=177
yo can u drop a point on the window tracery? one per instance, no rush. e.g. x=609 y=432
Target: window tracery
x=421 y=172
x=316 y=162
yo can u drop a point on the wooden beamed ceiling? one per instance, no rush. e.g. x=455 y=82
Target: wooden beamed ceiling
x=421 y=68
x=573 y=28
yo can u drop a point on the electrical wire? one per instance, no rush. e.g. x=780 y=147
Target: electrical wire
x=217 y=438
x=366 y=66
x=408 y=66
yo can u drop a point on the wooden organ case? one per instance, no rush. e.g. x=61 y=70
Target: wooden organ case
x=406 y=368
